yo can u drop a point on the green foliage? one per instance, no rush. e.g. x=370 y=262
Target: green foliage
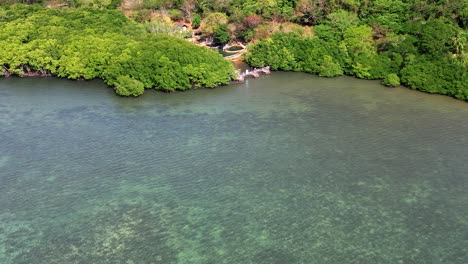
x=436 y=76
x=176 y=14
x=247 y=34
x=222 y=34
x=437 y=35
x=143 y=15
x=358 y=39
x=127 y=86
x=290 y=51
x=212 y=21
x=114 y=4
x=357 y=55
x=421 y=43
x=166 y=26
x=361 y=71
x=104 y=44
x=327 y=33
x=155 y=4
x=342 y=19
x=391 y=80
x=196 y=21
x=329 y=68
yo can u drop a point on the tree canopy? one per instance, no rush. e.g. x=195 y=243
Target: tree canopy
x=423 y=43
x=89 y=43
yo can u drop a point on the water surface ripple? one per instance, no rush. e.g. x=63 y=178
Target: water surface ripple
x=287 y=168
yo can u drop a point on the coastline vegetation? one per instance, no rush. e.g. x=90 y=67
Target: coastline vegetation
x=393 y=40
x=417 y=43
x=88 y=43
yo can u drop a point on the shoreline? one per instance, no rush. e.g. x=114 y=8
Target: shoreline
x=30 y=74
x=238 y=64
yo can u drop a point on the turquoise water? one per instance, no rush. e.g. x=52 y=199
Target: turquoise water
x=287 y=168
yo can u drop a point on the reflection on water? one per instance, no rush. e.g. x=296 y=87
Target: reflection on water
x=290 y=168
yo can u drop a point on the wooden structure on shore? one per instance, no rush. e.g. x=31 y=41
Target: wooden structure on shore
x=254 y=73
x=235 y=56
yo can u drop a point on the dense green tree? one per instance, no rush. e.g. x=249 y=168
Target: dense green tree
x=104 y=44
x=391 y=80
x=329 y=68
x=437 y=36
x=127 y=86
x=342 y=20
x=418 y=43
x=327 y=33
x=222 y=34
x=196 y=21
x=212 y=21
x=423 y=43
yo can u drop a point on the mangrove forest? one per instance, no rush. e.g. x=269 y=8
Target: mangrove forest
x=137 y=45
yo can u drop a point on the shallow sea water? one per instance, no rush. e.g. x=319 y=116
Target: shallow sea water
x=287 y=168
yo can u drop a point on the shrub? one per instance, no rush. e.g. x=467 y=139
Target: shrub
x=196 y=21
x=222 y=34
x=212 y=21
x=105 y=44
x=143 y=15
x=391 y=80
x=176 y=14
x=127 y=86
x=329 y=68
